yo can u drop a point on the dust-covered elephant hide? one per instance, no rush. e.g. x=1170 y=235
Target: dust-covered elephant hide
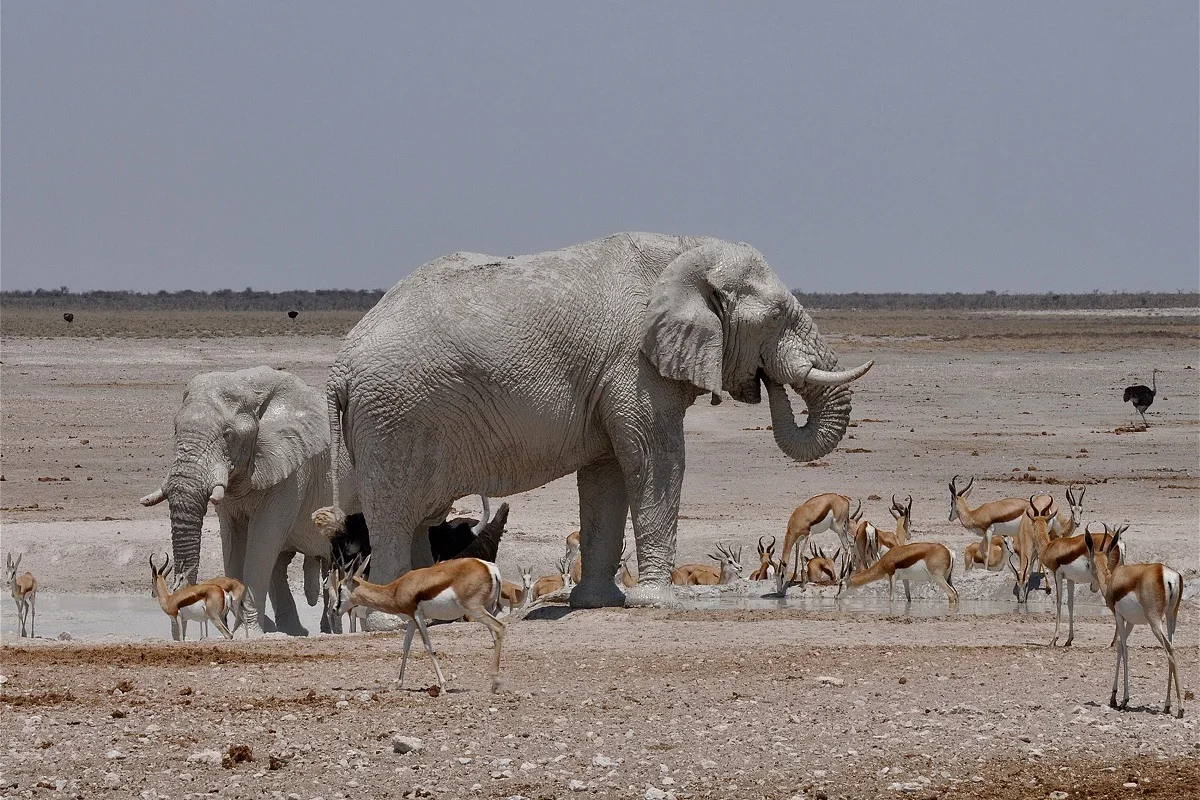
x=577 y=360
x=254 y=443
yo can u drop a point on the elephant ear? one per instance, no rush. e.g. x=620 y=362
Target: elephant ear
x=681 y=328
x=292 y=428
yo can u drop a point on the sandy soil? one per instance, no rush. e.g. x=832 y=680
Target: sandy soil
x=718 y=703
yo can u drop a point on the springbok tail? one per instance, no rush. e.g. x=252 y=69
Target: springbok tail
x=1174 y=587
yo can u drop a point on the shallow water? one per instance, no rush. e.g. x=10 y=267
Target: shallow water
x=881 y=606
x=93 y=617
x=126 y=616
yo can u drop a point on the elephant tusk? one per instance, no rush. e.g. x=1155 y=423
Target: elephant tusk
x=154 y=498
x=820 y=377
x=218 y=494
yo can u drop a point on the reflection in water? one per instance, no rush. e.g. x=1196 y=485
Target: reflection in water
x=135 y=616
x=127 y=616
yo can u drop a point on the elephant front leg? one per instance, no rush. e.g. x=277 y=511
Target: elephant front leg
x=603 y=507
x=653 y=482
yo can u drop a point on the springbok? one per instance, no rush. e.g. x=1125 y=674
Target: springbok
x=198 y=603
x=1137 y=594
x=825 y=512
x=24 y=592
x=549 y=584
x=917 y=561
x=238 y=599
x=997 y=518
x=766 y=561
x=820 y=568
x=870 y=541
x=448 y=590
x=338 y=575
x=1065 y=559
x=517 y=598
x=704 y=575
x=1065 y=522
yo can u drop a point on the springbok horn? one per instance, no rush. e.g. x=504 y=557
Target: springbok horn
x=820 y=377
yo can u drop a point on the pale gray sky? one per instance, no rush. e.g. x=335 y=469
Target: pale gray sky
x=920 y=146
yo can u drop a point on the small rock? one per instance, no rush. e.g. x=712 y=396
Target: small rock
x=463 y=760
x=668 y=781
x=902 y=681
x=577 y=786
x=112 y=780
x=206 y=757
x=819 y=773
x=342 y=704
x=407 y=744
x=65 y=636
x=112 y=755
x=604 y=761
x=1059 y=796
x=1130 y=784
x=708 y=763
x=829 y=680
x=654 y=793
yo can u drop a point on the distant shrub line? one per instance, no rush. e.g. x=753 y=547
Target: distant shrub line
x=364 y=299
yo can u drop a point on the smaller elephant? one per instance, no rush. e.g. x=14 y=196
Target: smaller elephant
x=255 y=444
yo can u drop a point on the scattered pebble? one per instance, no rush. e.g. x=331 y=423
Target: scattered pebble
x=407 y=744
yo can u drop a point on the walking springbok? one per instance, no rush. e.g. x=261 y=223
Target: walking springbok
x=239 y=600
x=448 y=590
x=24 y=592
x=1137 y=594
x=198 y=603
x=917 y=561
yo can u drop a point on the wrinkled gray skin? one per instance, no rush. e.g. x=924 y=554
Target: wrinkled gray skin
x=255 y=443
x=488 y=375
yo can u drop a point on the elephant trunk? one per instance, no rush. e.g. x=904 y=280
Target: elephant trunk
x=828 y=417
x=188 y=495
x=187 y=519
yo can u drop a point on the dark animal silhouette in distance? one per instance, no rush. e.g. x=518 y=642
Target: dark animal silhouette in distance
x=69 y=317
x=293 y=314
x=1142 y=396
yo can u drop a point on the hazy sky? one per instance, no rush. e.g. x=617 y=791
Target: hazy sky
x=916 y=146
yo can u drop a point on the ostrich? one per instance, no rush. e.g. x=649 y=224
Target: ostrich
x=1142 y=396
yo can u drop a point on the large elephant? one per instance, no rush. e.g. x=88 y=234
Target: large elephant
x=487 y=375
x=254 y=443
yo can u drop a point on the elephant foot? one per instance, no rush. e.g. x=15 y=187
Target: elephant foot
x=604 y=594
x=379 y=621
x=651 y=595
x=293 y=629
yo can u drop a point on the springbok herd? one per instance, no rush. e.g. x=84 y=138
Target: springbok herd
x=1030 y=538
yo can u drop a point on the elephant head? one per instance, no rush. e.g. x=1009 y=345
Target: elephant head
x=237 y=433
x=719 y=318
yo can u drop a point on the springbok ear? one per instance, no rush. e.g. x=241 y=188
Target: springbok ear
x=681 y=329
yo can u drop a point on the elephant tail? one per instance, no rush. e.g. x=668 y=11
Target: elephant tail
x=331 y=520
